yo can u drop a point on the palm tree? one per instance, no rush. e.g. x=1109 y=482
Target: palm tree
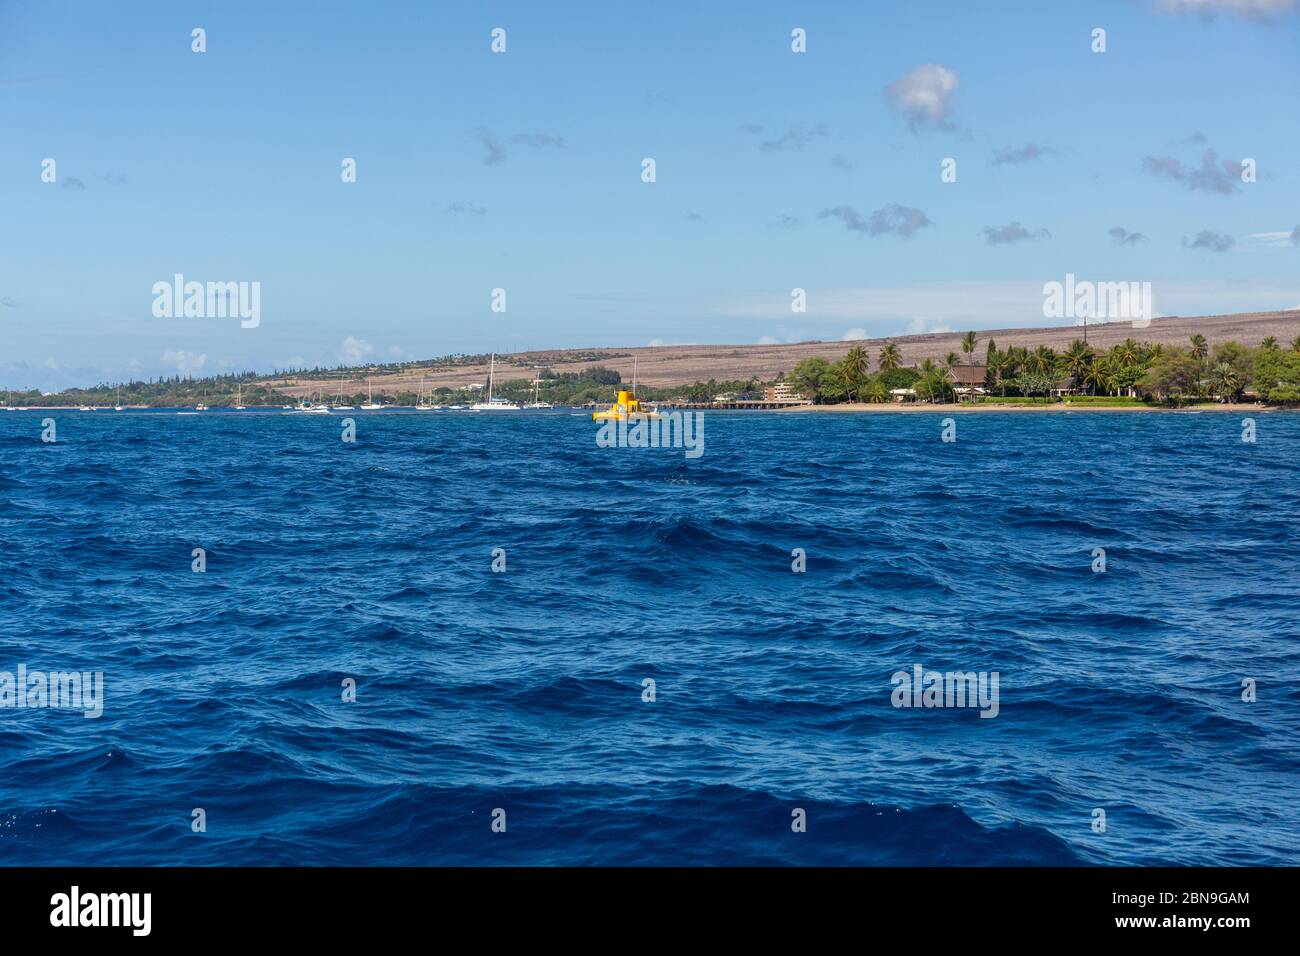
x=1224 y=381
x=889 y=357
x=1269 y=343
x=1129 y=353
x=1097 y=376
x=968 y=346
x=854 y=367
x=1042 y=360
x=1077 y=359
x=874 y=390
x=1200 y=348
x=929 y=374
x=1295 y=344
x=1001 y=363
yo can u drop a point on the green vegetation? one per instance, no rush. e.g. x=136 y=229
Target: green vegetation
x=1129 y=373
x=217 y=391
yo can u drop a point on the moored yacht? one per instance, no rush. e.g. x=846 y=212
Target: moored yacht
x=493 y=404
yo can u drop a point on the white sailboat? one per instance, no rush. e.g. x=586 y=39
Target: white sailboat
x=422 y=406
x=308 y=407
x=493 y=404
x=117 y=407
x=537 y=383
x=370 y=405
x=239 y=400
x=340 y=407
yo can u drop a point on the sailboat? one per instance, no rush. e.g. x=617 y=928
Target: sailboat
x=370 y=405
x=307 y=407
x=537 y=382
x=493 y=404
x=340 y=406
x=118 y=406
x=239 y=400
x=422 y=406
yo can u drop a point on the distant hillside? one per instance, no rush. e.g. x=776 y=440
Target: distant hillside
x=673 y=365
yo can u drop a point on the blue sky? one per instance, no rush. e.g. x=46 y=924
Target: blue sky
x=522 y=171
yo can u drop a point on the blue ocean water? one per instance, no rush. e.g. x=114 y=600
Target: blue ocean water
x=523 y=690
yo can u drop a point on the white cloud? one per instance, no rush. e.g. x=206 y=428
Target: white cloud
x=1289 y=238
x=924 y=96
x=854 y=335
x=187 y=363
x=945 y=306
x=769 y=340
x=354 y=350
x=919 y=326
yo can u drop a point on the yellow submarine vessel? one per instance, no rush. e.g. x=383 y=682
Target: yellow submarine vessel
x=626 y=408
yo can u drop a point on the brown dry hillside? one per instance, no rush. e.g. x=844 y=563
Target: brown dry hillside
x=686 y=364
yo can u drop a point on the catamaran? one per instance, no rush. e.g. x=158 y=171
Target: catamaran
x=370 y=405
x=493 y=404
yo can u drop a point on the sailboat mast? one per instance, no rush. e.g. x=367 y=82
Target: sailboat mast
x=492 y=372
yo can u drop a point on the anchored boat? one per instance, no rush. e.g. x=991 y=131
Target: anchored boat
x=627 y=407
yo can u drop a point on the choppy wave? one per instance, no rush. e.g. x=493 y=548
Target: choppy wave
x=523 y=691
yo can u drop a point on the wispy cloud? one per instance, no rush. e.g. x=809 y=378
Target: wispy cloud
x=1210 y=241
x=459 y=208
x=1122 y=237
x=9 y=302
x=495 y=152
x=924 y=96
x=186 y=363
x=1021 y=154
x=354 y=351
x=1209 y=9
x=903 y=221
x=1012 y=232
x=796 y=137
x=1280 y=238
x=72 y=182
x=1213 y=175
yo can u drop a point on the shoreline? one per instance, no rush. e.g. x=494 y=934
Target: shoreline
x=919 y=407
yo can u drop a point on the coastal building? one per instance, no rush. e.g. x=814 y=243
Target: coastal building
x=1065 y=386
x=968 y=381
x=783 y=393
x=901 y=395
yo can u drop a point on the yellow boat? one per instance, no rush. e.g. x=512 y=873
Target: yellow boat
x=626 y=408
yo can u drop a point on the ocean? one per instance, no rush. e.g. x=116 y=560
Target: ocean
x=644 y=678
